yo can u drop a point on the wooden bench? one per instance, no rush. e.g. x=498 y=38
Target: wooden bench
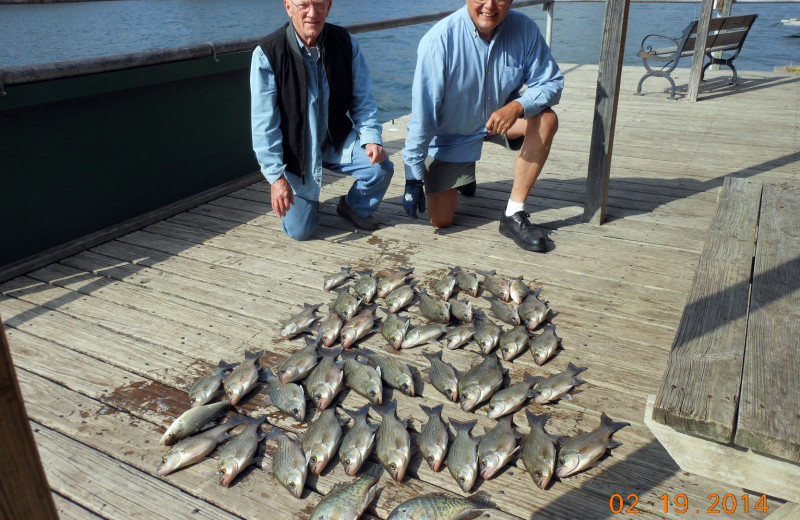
x=733 y=376
x=725 y=35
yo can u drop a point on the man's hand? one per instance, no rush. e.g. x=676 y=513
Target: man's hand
x=375 y=152
x=414 y=198
x=282 y=196
x=502 y=119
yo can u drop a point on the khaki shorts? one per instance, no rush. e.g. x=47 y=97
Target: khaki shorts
x=443 y=175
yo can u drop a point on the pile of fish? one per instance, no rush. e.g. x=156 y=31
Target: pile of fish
x=332 y=360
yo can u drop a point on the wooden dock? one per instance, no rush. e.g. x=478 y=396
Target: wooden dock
x=107 y=342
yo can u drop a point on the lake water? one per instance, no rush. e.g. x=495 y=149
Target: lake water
x=42 y=33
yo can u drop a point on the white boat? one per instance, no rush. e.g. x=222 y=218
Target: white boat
x=791 y=21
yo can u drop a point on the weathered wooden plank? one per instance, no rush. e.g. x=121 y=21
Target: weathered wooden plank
x=769 y=405
x=69 y=510
x=700 y=388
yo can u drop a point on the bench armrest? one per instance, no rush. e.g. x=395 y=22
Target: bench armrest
x=658 y=40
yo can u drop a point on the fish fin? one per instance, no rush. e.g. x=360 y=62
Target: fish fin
x=560 y=441
x=253 y=356
x=332 y=353
x=413 y=283
x=482 y=500
x=430 y=356
x=315 y=306
x=463 y=425
x=606 y=422
x=568 y=397
x=537 y=420
x=613 y=444
x=275 y=433
x=386 y=409
x=575 y=370
x=368 y=272
x=527 y=378
x=577 y=381
x=349 y=353
x=532 y=393
x=227 y=366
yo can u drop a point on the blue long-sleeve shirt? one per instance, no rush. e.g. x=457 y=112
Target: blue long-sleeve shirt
x=266 y=120
x=461 y=80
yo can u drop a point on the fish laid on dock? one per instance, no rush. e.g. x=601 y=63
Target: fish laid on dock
x=326 y=380
x=193 y=420
x=538 y=453
x=238 y=453
x=194 y=449
x=544 y=345
x=243 y=378
x=358 y=442
x=557 y=386
x=533 y=311
x=438 y=506
x=394 y=372
x=347 y=501
x=433 y=438
x=394 y=329
x=364 y=379
x=366 y=287
x=392 y=442
x=480 y=382
x=582 y=451
x=496 y=447
x=442 y=375
x=357 y=327
x=329 y=329
x=393 y=280
x=210 y=385
x=288 y=463
x=336 y=279
x=300 y=364
x=300 y=322
x=462 y=460
x=322 y=439
x=288 y=398
x=511 y=399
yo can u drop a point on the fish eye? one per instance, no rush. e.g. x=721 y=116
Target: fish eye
x=347 y=462
x=504 y=350
x=491 y=407
x=462 y=479
x=222 y=472
x=464 y=396
x=392 y=466
x=295 y=411
x=537 y=474
x=448 y=391
x=317 y=397
x=164 y=460
x=313 y=460
x=372 y=393
x=291 y=485
x=405 y=386
x=483 y=464
x=431 y=458
x=281 y=372
x=562 y=461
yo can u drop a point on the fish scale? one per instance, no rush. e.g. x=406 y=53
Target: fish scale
x=462 y=460
x=288 y=463
x=442 y=375
x=238 y=453
x=437 y=506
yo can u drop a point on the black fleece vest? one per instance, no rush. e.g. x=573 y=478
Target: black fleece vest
x=291 y=77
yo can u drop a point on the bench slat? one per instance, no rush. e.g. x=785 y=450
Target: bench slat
x=700 y=389
x=770 y=398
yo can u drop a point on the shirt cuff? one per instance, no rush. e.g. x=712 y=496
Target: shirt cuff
x=273 y=174
x=414 y=171
x=370 y=135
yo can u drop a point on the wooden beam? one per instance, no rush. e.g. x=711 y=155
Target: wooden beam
x=700 y=44
x=605 y=111
x=24 y=493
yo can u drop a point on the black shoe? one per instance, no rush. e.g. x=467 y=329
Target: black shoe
x=344 y=210
x=525 y=234
x=468 y=190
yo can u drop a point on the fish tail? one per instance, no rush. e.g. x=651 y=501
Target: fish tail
x=575 y=370
x=314 y=306
x=465 y=426
x=537 y=420
x=355 y=414
x=388 y=409
x=253 y=356
x=227 y=366
x=275 y=433
x=433 y=355
x=527 y=378
x=332 y=353
x=606 y=422
x=368 y=272
x=435 y=411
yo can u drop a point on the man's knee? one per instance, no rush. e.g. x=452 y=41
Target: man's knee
x=547 y=124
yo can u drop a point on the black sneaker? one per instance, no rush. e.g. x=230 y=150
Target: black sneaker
x=468 y=190
x=344 y=210
x=525 y=234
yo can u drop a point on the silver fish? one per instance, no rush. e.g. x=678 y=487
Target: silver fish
x=518 y=290
x=209 y=386
x=556 y=386
x=357 y=327
x=358 y=441
x=513 y=342
x=507 y=313
x=345 y=304
x=582 y=451
x=496 y=285
x=300 y=322
x=511 y=399
x=366 y=286
x=459 y=336
x=243 y=378
x=192 y=450
x=400 y=297
x=538 y=452
x=288 y=463
x=433 y=438
x=461 y=310
x=322 y=439
x=394 y=372
x=348 y=501
x=533 y=311
x=496 y=447
x=462 y=460
x=437 y=506
x=300 y=364
x=424 y=334
x=336 y=279
x=393 y=280
x=326 y=380
x=329 y=329
x=192 y=421
x=364 y=379
x=466 y=282
x=288 y=398
x=487 y=333
x=544 y=345
x=433 y=309
x=444 y=288
x=394 y=329
x=443 y=376
x=238 y=453
x=480 y=382
x=393 y=443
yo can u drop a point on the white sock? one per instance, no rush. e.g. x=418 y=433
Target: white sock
x=514 y=207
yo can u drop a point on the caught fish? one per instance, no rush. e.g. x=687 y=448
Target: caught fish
x=345 y=304
x=466 y=282
x=400 y=297
x=209 y=386
x=459 y=336
x=443 y=376
x=326 y=380
x=365 y=380
x=444 y=288
x=243 y=378
x=518 y=290
x=544 y=345
x=513 y=342
x=480 y=382
x=329 y=329
x=358 y=441
x=497 y=447
x=288 y=398
x=582 y=451
x=300 y=364
x=496 y=285
x=366 y=286
x=424 y=334
x=487 y=333
x=394 y=329
x=357 y=327
x=394 y=372
x=436 y=506
x=322 y=439
x=461 y=310
x=336 y=279
x=300 y=322
x=506 y=313
x=194 y=449
x=556 y=386
x=533 y=311
x=393 y=280
x=392 y=442
x=433 y=438
x=462 y=460
x=538 y=453
x=288 y=463
x=511 y=399
x=192 y=421
x=238 y=453
x=433 y=309
x=348 y=501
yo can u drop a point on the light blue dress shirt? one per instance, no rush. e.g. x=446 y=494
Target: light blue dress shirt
x=461 y=80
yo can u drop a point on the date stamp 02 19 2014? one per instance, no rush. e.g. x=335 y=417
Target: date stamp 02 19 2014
x=680 y=504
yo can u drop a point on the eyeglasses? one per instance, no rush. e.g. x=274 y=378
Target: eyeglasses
x=320 y=7
x=498 y=3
